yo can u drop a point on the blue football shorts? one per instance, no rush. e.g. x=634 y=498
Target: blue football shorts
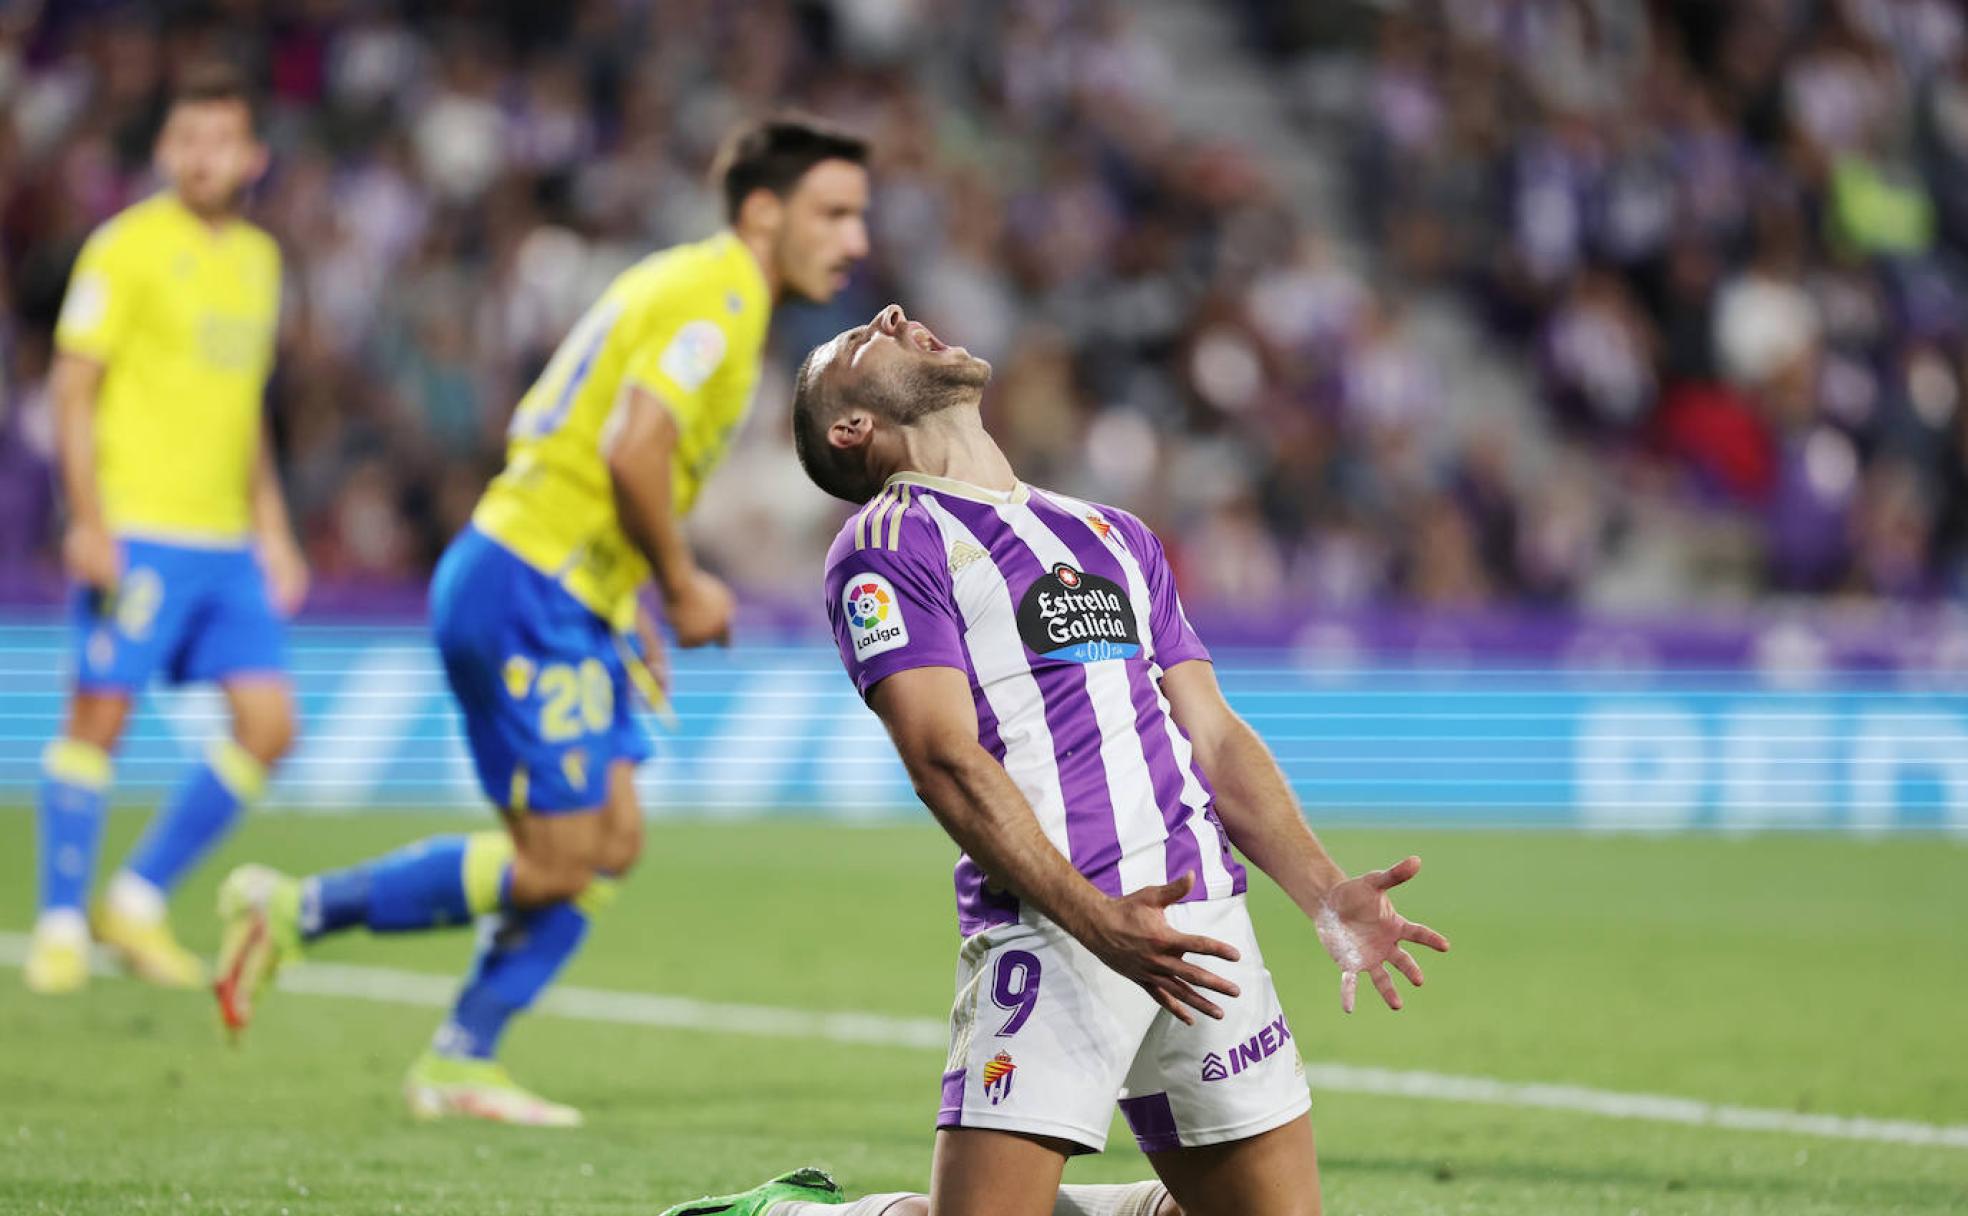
x=188 y=613
x=538 y=678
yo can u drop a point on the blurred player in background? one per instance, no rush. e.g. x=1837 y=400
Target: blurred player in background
x=1033 y=665
x=178 y=539
x=531 y=605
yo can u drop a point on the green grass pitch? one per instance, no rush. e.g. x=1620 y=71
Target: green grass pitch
x=1805 y=974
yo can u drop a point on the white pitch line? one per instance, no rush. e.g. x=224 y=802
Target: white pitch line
x=391 y=986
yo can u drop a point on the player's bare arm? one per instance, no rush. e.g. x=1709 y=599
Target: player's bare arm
x=640 y=448
x=930 y=716
x=88 y=552
x=273 y=531
x=1355 y=919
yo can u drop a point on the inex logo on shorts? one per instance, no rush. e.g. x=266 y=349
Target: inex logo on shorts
x=1254 y=1050
x=1079 y=617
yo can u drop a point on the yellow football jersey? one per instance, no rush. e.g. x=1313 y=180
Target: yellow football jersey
x=687 y=324
x=182 y=317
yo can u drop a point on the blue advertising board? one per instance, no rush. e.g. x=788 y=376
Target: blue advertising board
x=778 y=730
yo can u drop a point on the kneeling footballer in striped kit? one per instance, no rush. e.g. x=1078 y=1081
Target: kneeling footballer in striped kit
x=532 y=605
x=1031 y=660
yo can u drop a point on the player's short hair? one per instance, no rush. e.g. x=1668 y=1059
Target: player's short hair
x=774 y=154
x=842 y=473
x=215 y=80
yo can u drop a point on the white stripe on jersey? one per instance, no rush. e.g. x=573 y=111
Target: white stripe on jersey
x=1216 y=880
x=997 y=659
x=1130 y=786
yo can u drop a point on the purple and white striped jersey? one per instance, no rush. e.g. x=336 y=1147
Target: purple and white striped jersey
x=1064 y=615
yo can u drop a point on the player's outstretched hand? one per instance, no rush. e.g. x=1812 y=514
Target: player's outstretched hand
x=1359 y=927
x=1135 y=939
x=90 y=556
x=286 y=574
x=700 y=609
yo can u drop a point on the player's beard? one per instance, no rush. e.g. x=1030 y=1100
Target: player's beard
x=928 y=387
x=213 y=205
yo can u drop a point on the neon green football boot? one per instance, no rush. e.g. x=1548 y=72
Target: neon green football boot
x=260 y=910
x=58 y=959
x=146 y=948
x=807 y=1184
x=441 y=1086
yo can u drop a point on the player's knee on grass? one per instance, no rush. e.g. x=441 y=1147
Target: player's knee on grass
x=1298 y=1204
x=97 y=718
x=263 y=720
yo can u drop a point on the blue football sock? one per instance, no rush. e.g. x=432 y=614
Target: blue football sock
x=445 y=880
x=74 y=795
x=198 y=817
x=517 y=958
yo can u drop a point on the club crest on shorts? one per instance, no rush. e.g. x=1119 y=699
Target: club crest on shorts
x=518 y=675
x=998 y=1074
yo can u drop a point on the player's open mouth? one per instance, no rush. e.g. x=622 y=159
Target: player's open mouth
x=925 y=341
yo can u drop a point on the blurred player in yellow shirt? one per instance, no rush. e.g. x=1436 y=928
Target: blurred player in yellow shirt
x=607 y=451
x=178 y=541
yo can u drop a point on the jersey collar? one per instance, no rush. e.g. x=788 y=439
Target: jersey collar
x=190 y=220
x=737 y=251
x=1016 y=496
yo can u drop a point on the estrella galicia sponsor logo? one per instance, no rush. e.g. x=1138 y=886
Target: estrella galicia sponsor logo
x=1079 y=617
x=1254 y=1050
x=874 y=616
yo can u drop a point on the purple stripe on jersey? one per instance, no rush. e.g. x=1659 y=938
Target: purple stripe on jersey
x=950 y=1113
x=1152 y=1120
x=1092 y=842
x=1180 y=853
x=979 y=907
x=1239 y=880
x=1183 y=856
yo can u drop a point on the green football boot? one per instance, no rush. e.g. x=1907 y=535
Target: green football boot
x=446 y=1087
x=808 y=1185
x=260 y=913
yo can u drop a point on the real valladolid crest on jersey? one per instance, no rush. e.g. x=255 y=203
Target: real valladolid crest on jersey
x=1079 y=617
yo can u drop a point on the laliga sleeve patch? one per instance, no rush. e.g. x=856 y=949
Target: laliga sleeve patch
x=693 y=355
x=874 y=616
x=87 y=303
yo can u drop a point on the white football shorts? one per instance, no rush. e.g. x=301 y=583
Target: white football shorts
x=1044 y=1039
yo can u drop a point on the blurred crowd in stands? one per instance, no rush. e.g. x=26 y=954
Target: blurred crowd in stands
x=1721 y=239
x=1729 y=238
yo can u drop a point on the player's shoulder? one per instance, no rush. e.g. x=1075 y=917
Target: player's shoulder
x=136 y=227
x=892 y=528
x=717 y=275
x=259 y=240
x=1104 y=519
